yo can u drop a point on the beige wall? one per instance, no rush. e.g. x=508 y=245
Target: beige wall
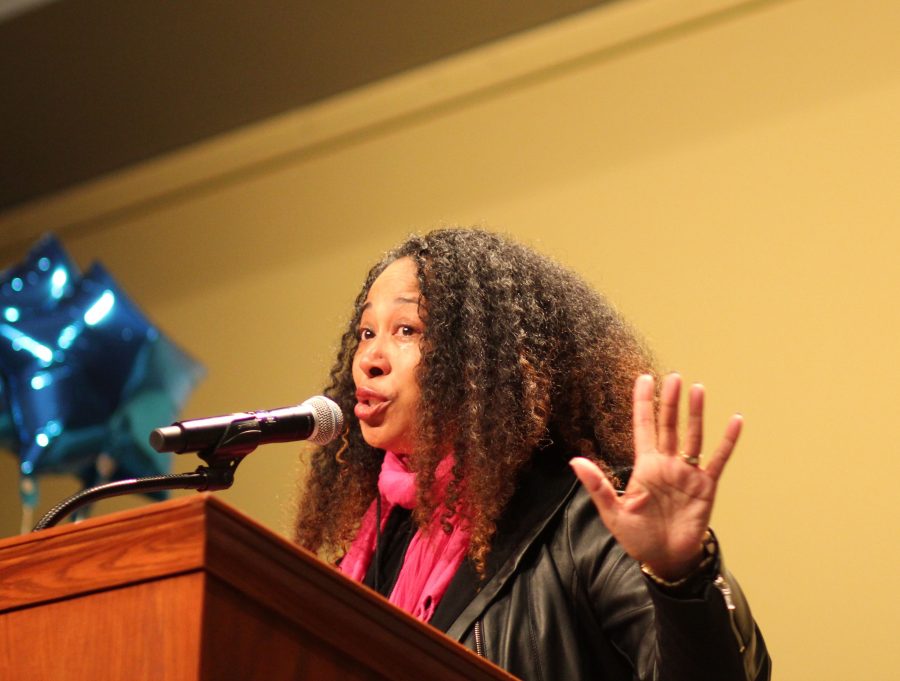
x=730 y=182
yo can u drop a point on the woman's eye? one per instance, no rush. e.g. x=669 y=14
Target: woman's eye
x=407 y=330
x=365 y=334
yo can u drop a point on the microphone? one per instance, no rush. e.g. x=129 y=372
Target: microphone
x=318 y=419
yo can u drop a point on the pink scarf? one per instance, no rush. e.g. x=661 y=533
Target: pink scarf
x=433 y=556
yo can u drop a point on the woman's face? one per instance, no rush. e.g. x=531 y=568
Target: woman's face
x=384 y=366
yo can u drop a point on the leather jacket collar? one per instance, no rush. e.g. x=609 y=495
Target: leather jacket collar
x=542 y=492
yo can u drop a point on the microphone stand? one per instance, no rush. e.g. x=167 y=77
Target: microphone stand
x=239 y=439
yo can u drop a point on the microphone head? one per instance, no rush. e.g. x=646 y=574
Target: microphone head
x=328 y=419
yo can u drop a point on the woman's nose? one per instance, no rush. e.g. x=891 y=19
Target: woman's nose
x=373 y=360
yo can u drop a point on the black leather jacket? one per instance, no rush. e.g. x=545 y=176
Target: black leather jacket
x=562 y=601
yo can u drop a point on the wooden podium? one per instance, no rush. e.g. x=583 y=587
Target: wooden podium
x=192 y=589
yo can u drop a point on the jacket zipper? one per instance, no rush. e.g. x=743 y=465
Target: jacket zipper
x=725 y=590
x=479 y=639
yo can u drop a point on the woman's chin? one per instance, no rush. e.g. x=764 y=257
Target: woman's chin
x=381 y=440
x=374 y=438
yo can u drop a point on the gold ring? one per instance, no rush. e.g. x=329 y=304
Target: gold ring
x=690 y=460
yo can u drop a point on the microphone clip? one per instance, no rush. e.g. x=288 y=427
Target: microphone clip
x=239 y=439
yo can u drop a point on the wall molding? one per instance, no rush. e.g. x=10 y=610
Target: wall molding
x=345 y=119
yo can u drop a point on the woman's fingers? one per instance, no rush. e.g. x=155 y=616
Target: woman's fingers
x=693 y=439
x=668 y=414
x=644 y=421
x=598 y=486
x=720 y=457
x=664 y=438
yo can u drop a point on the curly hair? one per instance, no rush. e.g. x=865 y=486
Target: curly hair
x=517 y=353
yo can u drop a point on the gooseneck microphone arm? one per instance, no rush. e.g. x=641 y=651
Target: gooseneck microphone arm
x=156 y=483
x=237 y=436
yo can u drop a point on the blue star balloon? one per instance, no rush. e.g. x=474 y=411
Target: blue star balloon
x=66 y=370
x=31 y=288
x=86 y=375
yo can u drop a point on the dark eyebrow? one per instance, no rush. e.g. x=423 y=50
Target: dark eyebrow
x=401 y=300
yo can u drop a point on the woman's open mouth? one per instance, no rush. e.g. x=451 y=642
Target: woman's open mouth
x=370 y=405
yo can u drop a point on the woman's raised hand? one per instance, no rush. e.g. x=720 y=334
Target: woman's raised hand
x=664 y=513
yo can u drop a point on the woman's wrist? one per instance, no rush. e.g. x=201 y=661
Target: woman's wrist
x=709 y=550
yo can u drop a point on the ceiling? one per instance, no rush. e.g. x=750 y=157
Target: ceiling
x=92 y=86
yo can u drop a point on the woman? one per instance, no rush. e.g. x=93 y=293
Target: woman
x=483 y=379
